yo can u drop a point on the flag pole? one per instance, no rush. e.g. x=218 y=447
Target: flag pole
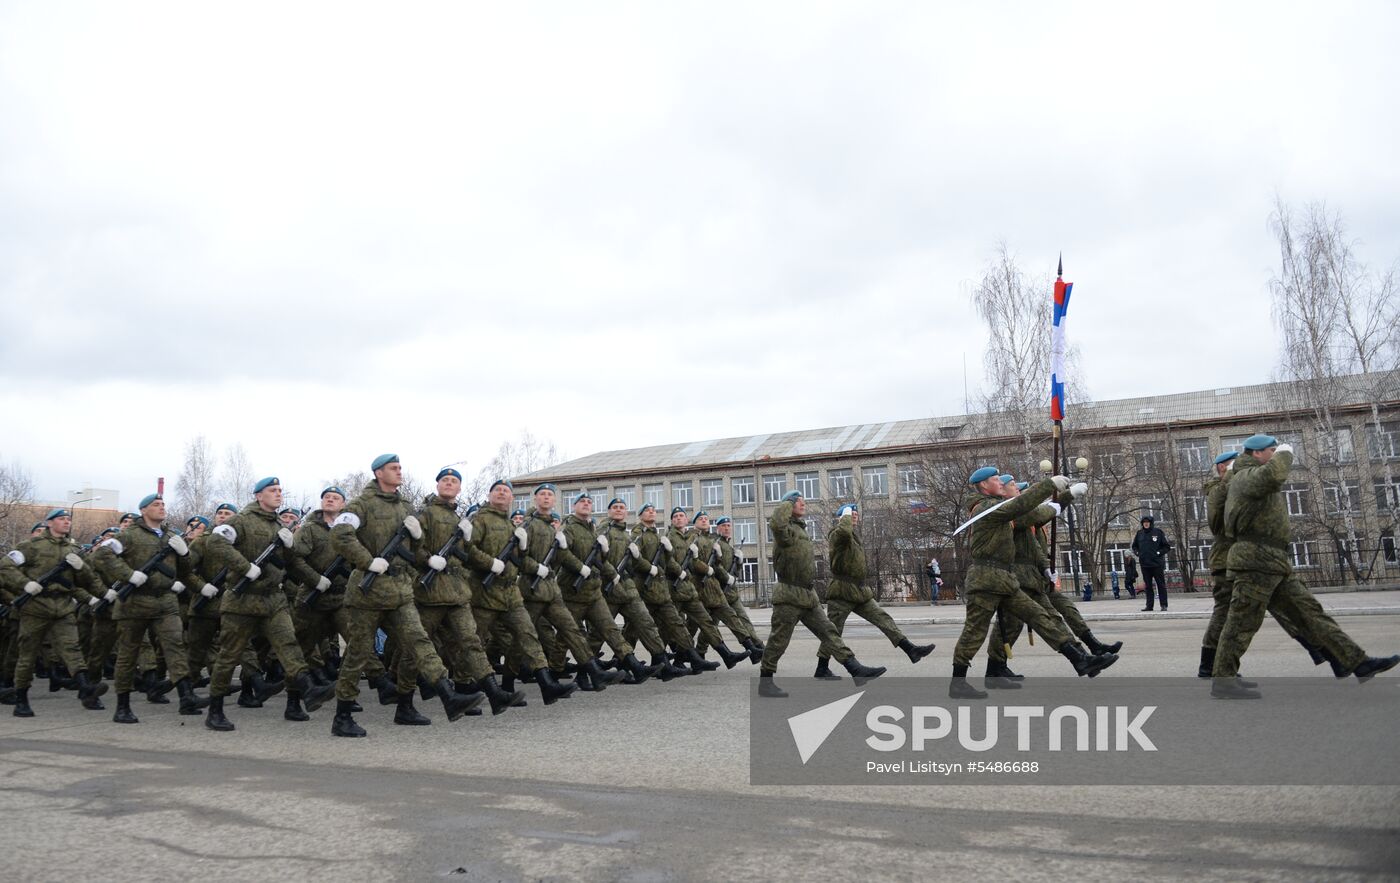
x=1058 y=457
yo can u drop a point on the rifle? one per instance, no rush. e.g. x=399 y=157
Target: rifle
x=338 y=566
x=391 y=549
x=655 y=562
x=511 y=545
x=53 y=574
x=272 y=549
x=126 y=588
x=624 y=564
x=589 y=561
x=452 y=547
x=218 y=583
x=685 y=563
x=548 y=557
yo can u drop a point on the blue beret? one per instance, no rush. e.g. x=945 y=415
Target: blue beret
x=982 y=474
x=699 y=515
x=1259 y=442
x=265 y=483
x=547 y=487
x=846 y=507
x=723 y=519
x=500 y=481
x=615 y=500
x=37 y=525
x=148 y=500
x=679 y=509
x=791 y=496
x=292 y=509
x=1022 y=485
x=133 y=515
x=554 y=516
x=583 y=495
x=472 y=509
x=113 y=529
x=333 y=490
x=645 y=507
x=57 y=513
x=383 y=460
x=200 y=518
x=1226 y=457
x=448 y=471
x=517 y=512
x=1007 y=478
x=229 y=506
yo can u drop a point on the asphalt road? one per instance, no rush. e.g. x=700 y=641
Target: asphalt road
x=643 y=783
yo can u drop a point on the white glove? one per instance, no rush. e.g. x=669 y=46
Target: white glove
x=560 y=540
x=415 y=529
x=666 y=542
x=1055 y=506
x=731 y=580
x=1061 y=483
x=694 y=551
x=177 y=587
x=209 y=590
x=437 y=562
x=465 y=526
x=179 y=545
x=632 y=547
x=498 y=566
x=584 y=571
x=32 y=588
x=378 y=565
x=111 y=596
x=685 y=574
x=93 y=602
x=286 y=537
x=653 y=571
x=522 y=537
x=223 y=530
x=74 y=560
x=254 y=571
x=1285 y=448
x=617 y=578
x=709 y=571
x=1078 y=489
x=322 y=584
x=541 y=571
x=137 y=578
x=602 y=543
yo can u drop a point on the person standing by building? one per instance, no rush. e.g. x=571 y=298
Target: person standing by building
x=935 y=581
x=1130 y=574
x=1151 y=546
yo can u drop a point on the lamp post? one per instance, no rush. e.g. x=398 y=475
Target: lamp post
x=74 y=506
x=1079 y=466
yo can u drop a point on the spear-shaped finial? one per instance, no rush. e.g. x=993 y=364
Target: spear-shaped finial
x=1060 y=270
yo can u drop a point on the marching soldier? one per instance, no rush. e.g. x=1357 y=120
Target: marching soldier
x=847 y=592
x=682 y=565
x=731 y=562
x=1256 y=522
x=655 y=590
x=708 y=576
x=377 y=523
x=625 y=557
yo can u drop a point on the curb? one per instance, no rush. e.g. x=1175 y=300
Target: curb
x=1124 y=617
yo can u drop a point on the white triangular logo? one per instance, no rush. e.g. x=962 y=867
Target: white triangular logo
x=811 y=728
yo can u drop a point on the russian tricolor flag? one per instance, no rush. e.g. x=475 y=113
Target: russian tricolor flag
x=1057 y=344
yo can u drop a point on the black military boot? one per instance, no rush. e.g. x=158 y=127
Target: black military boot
x=584 y=680
x=215 y=719
x=862 y=673
x=665 y=669
x=156 y=690
x=386 y=688
x=1207 y=662
x=275 y=672
x=596 y=676
x=995 y=680
x=59 y=678
x=344 y=724
x=699 y=663
x=959 y=688
x=294 y=711
x=730 y=658
x=425 y=687
x=7 y=691
x=264 y=689
x=550 y=688
x=769 y=690
x=313 y=695
x=247 y=696
x=1316 y=654
x=189 y=702
x=457 y=705
x=124 y=714
x=500 y=698
x=755 y=651
x=1231 y=688
x=634 y=667
x=1098 y=648
x=318 y=676
x=915 y=652
x=89 y=691
x=408 y=716
x=1338 y=669
x=1374 y=666
x=824 y=672
x=22 y=708
x=1083 y=663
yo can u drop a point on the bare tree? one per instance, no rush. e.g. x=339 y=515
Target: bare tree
x=16 y=492
x=524 y=455
x=236 y=482
x=197 y=483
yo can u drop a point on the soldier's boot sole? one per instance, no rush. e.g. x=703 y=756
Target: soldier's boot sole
x=995 y=682
x=344 y=725
x=824 y=672
x=769 y=690
x=92 y=703
x=959 y=688
x=294 y=712
x=1374 y=666
x=915 y=652
x=1231 y=688
x=730 y=658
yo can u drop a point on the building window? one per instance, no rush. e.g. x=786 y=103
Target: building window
x=1296 y=498
x=1233 y=443
x=1388 y=495
x=811 y=528
x=1117 y=514
x=655 y=495
x=1383 y=443
x=1149 y=459
x=680 y=494
x=808 y=485
x=1194 y=454
x=911 y=478
x=1296 y=440
x=1196 y=507
x=627 y=495
x=842 y=488
x=741 y=489
x=876 y=480
x=1074 y=560
x=774 y=488
x=1342 y=496
x=1336 y=446
x=712 y=493
x=1302 y=553
x=1150 y=506
x=1388 y=547
x=1109 y=463
x=1200 y=556
x=1115 y=552
x=744 y=531
x=600 y=499
x=749 y=572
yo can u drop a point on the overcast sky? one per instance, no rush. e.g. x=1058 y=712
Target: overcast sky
x=329 y=231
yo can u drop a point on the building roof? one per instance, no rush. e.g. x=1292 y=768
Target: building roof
x=1202 y=406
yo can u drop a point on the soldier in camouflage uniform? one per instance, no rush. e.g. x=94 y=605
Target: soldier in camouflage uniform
x=847 y=592
x=492 y=574
x=709 y=575
x=795 y=600
x=47 y=612
x=362 y=533
x=150 y=609
x=101 y=629
x=992 y=584
x=586 y=602
x=654 y=587
x=260 y=608
x=732 y=561
x=683 y=566
x=625 y=557
x=1256 y=522
x=539 y=586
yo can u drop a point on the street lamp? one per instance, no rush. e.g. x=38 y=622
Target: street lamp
x=1080 y=465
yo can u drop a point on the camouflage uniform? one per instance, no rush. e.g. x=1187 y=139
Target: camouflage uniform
x=544 y=602
x=847 y=592
x=1256 y=523
x=49 y=614
x=684 y=594
x=499 y=606
x=655 y=591
x=708 y=580
x=150 y=609
x=730 y=564
x=587 y=604
x=317 y=621
x=622 y=596
x=794 y=598
x=202 y=624
x=1032 y=562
